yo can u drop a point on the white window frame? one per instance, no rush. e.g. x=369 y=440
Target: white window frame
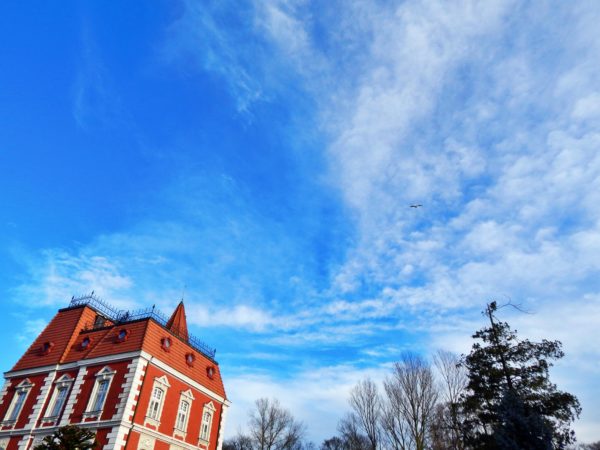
x=209 y=409
x=24 y=387
x=161 y=383
x=63 y=382
x=181 y=429
x=106 y=374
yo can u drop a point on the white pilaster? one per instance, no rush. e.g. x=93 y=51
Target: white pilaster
x=40 y=401
x=224 y=410
x=66 y=416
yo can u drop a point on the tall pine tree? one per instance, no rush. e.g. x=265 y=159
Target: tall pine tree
x=510 y=402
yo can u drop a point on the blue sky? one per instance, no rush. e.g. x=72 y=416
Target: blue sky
x=262 y=156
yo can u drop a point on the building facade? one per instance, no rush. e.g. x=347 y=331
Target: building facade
x=138 y=379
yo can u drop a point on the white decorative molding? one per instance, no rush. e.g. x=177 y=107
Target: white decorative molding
x=4 y=390
x=222 y=422
x=163 y=437
x=24 y=442
x=146 y=442
x=168 y=369
x=24 y=386
x=162 y=384
x=74 y=365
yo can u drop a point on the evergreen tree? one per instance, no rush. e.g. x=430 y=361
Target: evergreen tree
x=510 y=402
x=69 y=437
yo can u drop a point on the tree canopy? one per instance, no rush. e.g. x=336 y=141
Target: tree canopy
x=69 y=437
x=510 y=402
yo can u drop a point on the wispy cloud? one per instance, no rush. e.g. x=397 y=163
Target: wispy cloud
x=484 y=112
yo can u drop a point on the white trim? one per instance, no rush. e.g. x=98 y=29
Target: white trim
x=125 y=410
x=40 y=400
x=146 y=442
x=163 y=437
x=168 y=369
x=187 y=397
x=4 y=442
x=209 y=408
x=4 y=389
x=24 y=387
x=163 y=385
x=64 y=382
x=74 y=365
x=104 y=374
x=224 y=411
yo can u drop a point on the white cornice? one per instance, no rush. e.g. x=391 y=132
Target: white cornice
x=73 y=365
x=164 y=366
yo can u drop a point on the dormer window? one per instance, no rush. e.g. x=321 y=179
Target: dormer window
x=189 y=359
x=85 y=343
x=123 y=335
x=99 y=321
x=47 y=347
x=165 y=343
x=210 y=372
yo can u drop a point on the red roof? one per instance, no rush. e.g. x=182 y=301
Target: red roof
x=178 y=322
x=73 y=336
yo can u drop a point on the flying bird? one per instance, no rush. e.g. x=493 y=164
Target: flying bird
x=416 y=206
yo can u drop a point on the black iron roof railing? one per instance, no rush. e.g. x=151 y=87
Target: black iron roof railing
x=122 y=316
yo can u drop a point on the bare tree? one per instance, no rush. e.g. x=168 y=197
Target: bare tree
x=351 y=436
x=272 y=427
x=239 y=442
x=453 y=375
x=411 y=399
x=366 y=404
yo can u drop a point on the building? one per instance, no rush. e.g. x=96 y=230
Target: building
x=138 y=379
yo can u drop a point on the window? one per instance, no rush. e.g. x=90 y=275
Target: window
x=165 y=343
x=182 y=415
x=46 y=348
x=210 y=372
x=58 y=399
x=189 y=359
x=123 y=335
x=207 y=417
x=157 y=400
x=99 y=321
x=100 y=396
x=156 y=403
x=96 y=403
x=16 y=405
x=85 y=343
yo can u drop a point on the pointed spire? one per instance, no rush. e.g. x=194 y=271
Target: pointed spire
x=178 y=322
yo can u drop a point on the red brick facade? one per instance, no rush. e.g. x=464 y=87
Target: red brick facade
x=138 y=380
